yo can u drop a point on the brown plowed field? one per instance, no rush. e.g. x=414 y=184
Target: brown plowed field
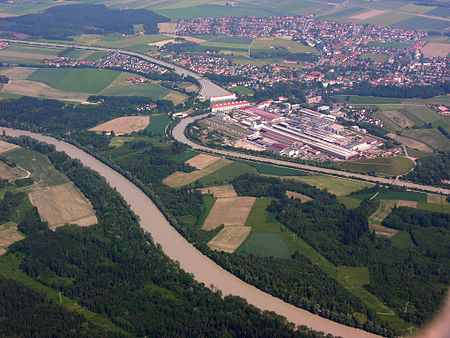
x=123 y=125
x=220 y=191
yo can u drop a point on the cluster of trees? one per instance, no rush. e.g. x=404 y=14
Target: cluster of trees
x=116 y=270
x=25 y=313
x=8 y=204
x=431 y=170
x=57 y=117
x=424 y=92
x=293 y=91
x=4 y=79
x=81 y=19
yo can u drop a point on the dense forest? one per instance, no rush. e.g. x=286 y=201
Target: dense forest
x=424 y=92
x=114 y=269
x=81 y=19
x=431 y=170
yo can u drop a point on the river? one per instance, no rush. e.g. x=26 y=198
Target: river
x=191 y=260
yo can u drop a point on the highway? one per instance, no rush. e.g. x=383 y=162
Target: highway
x=176 y=247
x=207 y=89
x=178 y=134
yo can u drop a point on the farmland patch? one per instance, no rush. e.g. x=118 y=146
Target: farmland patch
x=229 y=238
x=265 y=244
x=436 y=49
x=123 y=125
x=335 y=185
x=296 y=195
x=229 y=211
x=220 y=191
x=8 y=235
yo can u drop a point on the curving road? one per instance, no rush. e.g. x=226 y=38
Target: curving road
x=207 y=89
x=191 y=260
x=178 y=134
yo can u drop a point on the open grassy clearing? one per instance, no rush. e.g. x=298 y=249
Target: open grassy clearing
x=378 y=216
x=152 y=90
x=93 y=56
x=123 y=125
x=229 y=238
x=10 y=268
x=229 y=211
x=179 y=179
x=158 y=123
x=8 y=235
x=241 y=90
x=349 y=202
x=184 y=156
x=387 y=19
x=39 y=165
x=412 y=196
x=442 y=207
x=5 y=147
x=296 y=195
x=386 y=166
x=416 y=8
x=267 y=169
x=402 y=239
x=259 y=219
x=422 y=23
x=18 y=88
x=411 y=143
x=175 y=97
x=226 y=45
x=79 y=79
x=335 y=185
x=119 y=141
x=355 y=99
x=265 y=244
x=294 y=47
x=63 y=204
x=224 y=191
x=227 y=173
x=12 y=173
x=374 y=57
x=431 y=137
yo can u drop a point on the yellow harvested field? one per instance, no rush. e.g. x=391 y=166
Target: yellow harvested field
x=63 y=204
x=303 y=198
x=187 y=38
x=5 y=146
x=201 y=161
x=167 y=27
x=223 y=191
x=8 y=236
x=123 y=125
x=230 y=238
x=175 y=97
x=9 y=173
x=436 y=49
x=368 y=15
x=191 y=88
x=229 y=211
x=18 y=73
x=179 y=179
x=411 y=143
x=39 y=89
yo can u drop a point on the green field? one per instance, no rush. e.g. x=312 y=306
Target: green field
x=158 y=123
x=241 y=90
x=354 y=99
x=445 y=207
x=402 y=239
x=343 y=14
x=349 y=202
x=295 y=47
x=416 y=8
x=395 y=196
x=267 y=169
x=335 y=185
x=208 y=203
x=259 y=218
x=94 y=56
x=226 y=45
x=388 y=19
x=79 y=80
x=251 y=62
x=38 y=164
x=396 y=45
x=265 y=244
x=388 y=166
x=119 y=141
x=431 y=137
x=152 y=90
x=227 y=173
x=421 y=23
x=185 y=156
x=374 y=57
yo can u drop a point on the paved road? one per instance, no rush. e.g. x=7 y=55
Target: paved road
x=178 y=134
x=207 y=87
x=191 y=260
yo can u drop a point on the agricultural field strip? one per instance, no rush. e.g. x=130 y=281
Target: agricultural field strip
x=229 y=212
x=229 y=238
x=123 y=125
